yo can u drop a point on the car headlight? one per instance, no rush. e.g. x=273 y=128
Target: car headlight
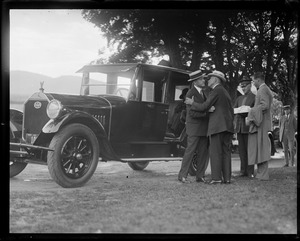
x=54 y=108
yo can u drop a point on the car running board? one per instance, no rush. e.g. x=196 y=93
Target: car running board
x=152 y=159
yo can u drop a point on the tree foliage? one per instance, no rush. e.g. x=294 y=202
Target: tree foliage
x=236 y=42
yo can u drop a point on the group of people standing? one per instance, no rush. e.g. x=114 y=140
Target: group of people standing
x=211 y=123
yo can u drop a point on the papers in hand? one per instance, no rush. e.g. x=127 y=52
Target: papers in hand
x=242 y=109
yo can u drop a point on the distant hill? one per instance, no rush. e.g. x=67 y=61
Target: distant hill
x=23 y=84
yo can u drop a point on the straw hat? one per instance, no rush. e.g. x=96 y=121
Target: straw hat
x=196 y=75
x=218 y=74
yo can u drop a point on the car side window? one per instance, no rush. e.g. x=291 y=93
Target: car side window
x=148 y=91
x=154 y=86
x=133 y=90
x=178 y=91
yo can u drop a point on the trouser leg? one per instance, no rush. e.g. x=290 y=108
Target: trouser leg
x=249 y=168
x=202 y=156
x=215 y=153
x=292 y=150
x=243 y=144
x=192 y=142
x=226 y=155
x=252 y=152
x=286 y=149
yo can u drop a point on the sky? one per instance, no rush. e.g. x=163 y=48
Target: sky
x=52 y=42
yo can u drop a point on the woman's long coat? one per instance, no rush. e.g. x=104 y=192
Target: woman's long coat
x=259 y=145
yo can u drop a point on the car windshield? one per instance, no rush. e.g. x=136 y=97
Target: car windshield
x=109 y=83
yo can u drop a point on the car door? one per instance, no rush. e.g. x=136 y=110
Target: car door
x=144 y=116
x=152 y=112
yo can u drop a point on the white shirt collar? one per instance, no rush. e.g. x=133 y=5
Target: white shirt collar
x=215 y=85
x=262 y=84
x=198 y=88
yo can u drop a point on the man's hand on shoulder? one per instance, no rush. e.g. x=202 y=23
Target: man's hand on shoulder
x=189 y=101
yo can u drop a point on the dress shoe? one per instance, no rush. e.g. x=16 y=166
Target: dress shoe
x=213 y=182
x=184 y=180
x=286 y=165
x=239 y=175
x=201 y=179
x=226 y=182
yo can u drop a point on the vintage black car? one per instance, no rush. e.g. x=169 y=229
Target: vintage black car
x=122 y=114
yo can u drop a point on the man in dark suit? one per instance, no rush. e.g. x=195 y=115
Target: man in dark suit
x=220 y=127
x=242 y=130
x=196 y=130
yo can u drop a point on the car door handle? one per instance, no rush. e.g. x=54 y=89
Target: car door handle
x=150 y=105
x=165 y=112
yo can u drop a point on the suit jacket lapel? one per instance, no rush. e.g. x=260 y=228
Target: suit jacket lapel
x=198 y=94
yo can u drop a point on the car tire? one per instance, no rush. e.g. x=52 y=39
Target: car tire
x=138 y=166
x=16 y=117
x=16 y=168
x=75 y=156
x=272 y=144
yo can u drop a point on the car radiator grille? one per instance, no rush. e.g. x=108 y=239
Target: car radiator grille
x=35 y=117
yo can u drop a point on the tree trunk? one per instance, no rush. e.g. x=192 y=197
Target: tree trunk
x=172 y=46
x=199 y=44
x=269 y=73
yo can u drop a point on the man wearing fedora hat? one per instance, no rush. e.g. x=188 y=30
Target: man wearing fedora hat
x=220 y=127
x=287 y=129
x=196 y=130
x=240 y=126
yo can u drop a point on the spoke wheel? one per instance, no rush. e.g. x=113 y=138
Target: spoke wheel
x=75 y=156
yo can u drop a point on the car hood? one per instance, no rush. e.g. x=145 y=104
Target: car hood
x=87 y=101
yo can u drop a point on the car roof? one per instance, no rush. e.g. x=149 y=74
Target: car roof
x=124 y=67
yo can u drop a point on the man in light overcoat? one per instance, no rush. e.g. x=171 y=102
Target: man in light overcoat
x=258 y=141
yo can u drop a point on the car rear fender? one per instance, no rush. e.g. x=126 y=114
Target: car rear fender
x=53 y=126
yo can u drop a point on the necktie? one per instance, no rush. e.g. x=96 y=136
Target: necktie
x=203 y=95
x=244 y=100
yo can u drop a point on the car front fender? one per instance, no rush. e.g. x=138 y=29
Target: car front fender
x=53 y=126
